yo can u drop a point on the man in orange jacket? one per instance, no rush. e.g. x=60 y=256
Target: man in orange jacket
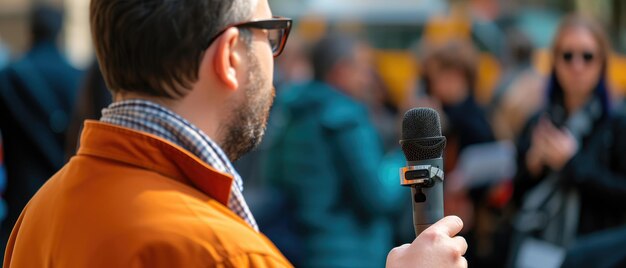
x=152 y=184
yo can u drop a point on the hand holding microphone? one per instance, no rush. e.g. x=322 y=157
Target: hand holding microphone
x=437 y=246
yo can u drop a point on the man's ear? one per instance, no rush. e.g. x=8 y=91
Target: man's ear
x=227 y=60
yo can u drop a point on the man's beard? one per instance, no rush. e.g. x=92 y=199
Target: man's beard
x=245 y=129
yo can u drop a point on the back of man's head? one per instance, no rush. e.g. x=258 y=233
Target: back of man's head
x=329 y=52
x=154 y=47
x=46 y=23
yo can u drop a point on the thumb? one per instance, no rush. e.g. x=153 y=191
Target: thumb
x=450 y=225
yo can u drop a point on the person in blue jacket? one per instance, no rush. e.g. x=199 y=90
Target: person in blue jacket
x=325 y=158
x=37 y=96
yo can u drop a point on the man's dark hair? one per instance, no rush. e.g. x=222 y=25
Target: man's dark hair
x=329 y=51
x=154 y=47
x=46 y=23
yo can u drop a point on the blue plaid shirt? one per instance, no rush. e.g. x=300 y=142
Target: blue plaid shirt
x=155 y=119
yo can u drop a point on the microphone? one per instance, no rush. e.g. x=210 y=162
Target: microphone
x=423 y=144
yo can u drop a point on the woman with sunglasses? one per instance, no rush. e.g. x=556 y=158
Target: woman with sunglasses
x=571 y=169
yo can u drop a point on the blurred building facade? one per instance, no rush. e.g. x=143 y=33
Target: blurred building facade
x=372 y=17
x=76 y=36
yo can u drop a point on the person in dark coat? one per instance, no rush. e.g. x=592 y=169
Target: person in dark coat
x=571 y=178
x=94 y=96
x=326 y=160
x=37 y=95
x=605 y=248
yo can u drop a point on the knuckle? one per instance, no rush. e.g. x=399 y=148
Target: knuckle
x=397 y=251
x=458 y=251
x=462 y=263
x=432 y=236
x=461 y=245
x=393 y=252
x=453 y=252
x=465 y=245
x=456 y=248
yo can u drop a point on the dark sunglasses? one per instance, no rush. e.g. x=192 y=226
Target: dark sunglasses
x=277 y=31
x=586 y=56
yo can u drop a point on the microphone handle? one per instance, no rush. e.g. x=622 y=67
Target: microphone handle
x=429 y=211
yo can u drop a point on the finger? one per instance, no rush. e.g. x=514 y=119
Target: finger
x=551 y=141
x=567 y=136
x=540 y=145
x=555 y=132
x=559 y=145
x=398 y=250
x=549 y=125
x=544 y=136
x=462 y=263
x=537 y=140
x=565 y=131
x=553 y=153
x=549 y=149
x=562 y=144
x=551 y=130
x=461 y=244
x=403 y=247
x=562 y=133
x=450 y=225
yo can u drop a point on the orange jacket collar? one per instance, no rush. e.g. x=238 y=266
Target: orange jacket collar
x=151 y=152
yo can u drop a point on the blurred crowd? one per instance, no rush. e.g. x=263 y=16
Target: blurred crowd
x=536 y=168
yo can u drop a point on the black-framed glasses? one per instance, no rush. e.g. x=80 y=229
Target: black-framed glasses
x=586 y=56
x=277 y=31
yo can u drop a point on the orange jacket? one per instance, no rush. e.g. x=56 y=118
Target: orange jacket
x=131 y=199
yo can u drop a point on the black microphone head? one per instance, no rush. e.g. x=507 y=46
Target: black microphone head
x=421 y=135
x=421 y=123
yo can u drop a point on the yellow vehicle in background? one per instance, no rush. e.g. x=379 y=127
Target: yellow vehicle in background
x=394 y=28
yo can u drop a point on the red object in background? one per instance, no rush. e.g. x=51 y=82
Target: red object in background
x=501 y=194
